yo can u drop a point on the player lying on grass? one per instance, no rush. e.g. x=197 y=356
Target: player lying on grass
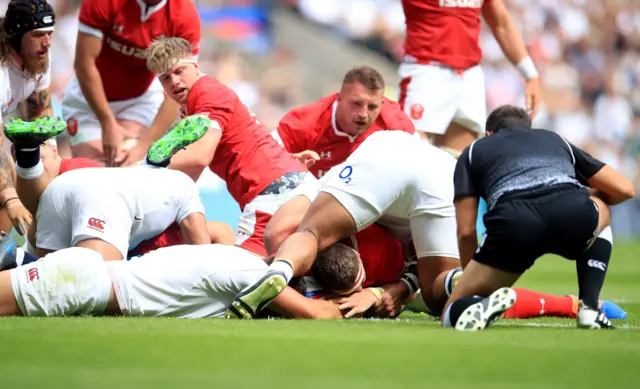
x=108 y=210
x=534 y=184
x=365 y=189
x=187 y=281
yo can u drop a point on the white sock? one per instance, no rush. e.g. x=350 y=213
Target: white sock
x=446 y=321
x=30 y=173
x=19 y=256
x=283 y=266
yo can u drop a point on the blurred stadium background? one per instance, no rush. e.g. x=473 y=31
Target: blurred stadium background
x=280 y=54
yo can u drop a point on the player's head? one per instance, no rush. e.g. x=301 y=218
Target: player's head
x=507 y=116
x=171 y=59
x=25 y=35
x=360 y=100
x=339 y=269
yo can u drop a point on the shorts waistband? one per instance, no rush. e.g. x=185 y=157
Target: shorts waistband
x=285 y=183
x=537 y=192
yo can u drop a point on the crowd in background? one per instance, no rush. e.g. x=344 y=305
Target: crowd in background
x=587 y=52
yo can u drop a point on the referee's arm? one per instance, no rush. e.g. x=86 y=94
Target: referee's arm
x=466 y=203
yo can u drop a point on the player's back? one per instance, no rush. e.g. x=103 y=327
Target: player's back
x=248 y=158
x=520 y=159
x=444 y=31
x=188 y=281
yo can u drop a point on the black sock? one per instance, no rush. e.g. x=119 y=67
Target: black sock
x=27 y=157
x=457 y=308
x=592 y=269
x=161 y=164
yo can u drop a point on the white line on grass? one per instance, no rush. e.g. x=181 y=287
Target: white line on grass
x=506 y=323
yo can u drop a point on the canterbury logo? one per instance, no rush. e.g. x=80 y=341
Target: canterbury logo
x=96 y=224
x=32 y=274
x=47 y=19
x=597 y=264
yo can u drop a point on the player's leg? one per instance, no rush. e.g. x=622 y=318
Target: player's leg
x=429 y=95
x=69 y=282
x=327 y=221
x=471 y=112
x=32 y=179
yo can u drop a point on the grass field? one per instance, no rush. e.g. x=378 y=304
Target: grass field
x=409 y=352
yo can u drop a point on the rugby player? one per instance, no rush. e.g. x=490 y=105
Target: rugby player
x=415 y=206
x=109 y=210
x=260 y=174
x=25 y=39
x=114 y=98
x=77 y=281
x=544 y=195
x=442 y=84
x=324 y=133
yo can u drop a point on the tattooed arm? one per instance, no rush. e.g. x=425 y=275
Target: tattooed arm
x=7 y=175
x=38 y=105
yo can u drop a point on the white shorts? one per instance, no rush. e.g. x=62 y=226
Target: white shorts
x=378 y=183
x=83 y=125
x=434 y=96
x=68 y=282
x=187 y=281
x=256 y=214
x=70 y=212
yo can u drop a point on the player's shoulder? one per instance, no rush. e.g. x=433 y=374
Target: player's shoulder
x=207 y=90
x=394 y=117
x=183 y=14
x=89 y=7
x=310 y=115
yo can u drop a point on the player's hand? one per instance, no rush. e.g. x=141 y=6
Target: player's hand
x=112 y=139
x=532 y=96
x=134 y=155
x=391 y=302
x=308 y=157
x=19 y=216
x=358 y=303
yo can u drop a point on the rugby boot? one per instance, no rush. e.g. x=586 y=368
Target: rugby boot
x=185 y=132
x=481 y=314
x=33 y=134
x=255 y=297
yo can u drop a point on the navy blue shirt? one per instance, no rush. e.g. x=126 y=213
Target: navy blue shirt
x=520 y=160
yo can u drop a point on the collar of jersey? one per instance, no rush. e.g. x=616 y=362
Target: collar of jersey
x=334 y=123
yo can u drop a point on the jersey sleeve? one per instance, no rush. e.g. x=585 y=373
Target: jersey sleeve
x=188 y=26
x=95 y=17
x=292 y=133
x=216 y=102
x=584 y=164
x=462 y=177
x=189 y=200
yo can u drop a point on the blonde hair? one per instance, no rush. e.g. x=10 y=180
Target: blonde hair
x=165 y=52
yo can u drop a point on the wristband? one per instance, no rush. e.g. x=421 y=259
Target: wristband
x=410 y=277
x=378 y=292
x=527 y=69
x=7 y=201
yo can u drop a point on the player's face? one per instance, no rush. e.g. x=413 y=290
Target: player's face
x=178 y=80
x=35 y=51
x=358 y=108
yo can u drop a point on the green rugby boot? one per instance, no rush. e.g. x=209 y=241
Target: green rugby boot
x=185 y=132
x=33 y=133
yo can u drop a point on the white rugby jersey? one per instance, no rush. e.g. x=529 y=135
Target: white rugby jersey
x=15 y=88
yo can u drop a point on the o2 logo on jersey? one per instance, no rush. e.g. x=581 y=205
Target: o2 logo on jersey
x=345 y=174
x=461 y=3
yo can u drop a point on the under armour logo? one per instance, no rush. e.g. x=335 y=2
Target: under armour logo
x=118 y=28
x=325 y=154
x=96 y=224
x=597 y=264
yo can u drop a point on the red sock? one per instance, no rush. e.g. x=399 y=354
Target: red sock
x=535 y=304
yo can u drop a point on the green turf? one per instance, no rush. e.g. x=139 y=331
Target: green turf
x=411 y=352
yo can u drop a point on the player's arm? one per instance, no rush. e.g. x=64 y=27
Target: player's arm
x=608 y=184
x=285 y=222
x=293 y=305
x=190 y=213
x=466 y=203
x=508 y=37
x=7 y=176
x=195 y=158
x=37 y=105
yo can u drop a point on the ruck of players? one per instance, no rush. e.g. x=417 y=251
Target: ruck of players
x=355 y=206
